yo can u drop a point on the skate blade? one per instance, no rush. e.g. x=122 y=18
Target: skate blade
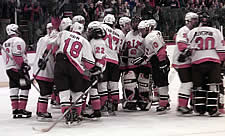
x=71 y=124
x=55 y=107
x=41 y=119
x=21 y=116
x=184 y=115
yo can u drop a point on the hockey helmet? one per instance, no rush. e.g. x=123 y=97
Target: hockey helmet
x=152 y=24
x=12 y=29
x=77 y=27
x=189 y=16
x=65 y=23
x=79 y=19
x=134 y=22
x=109 y=19
x=205 y=19
x=124 y=20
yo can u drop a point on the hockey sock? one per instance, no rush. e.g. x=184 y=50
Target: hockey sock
x=53 y=97
x=95 y=99
x=14 y=97
x=23 y=99
x=42 y=104
x=183 y=100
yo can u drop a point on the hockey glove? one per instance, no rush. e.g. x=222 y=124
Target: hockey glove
x=164 y=66
x=184 y=55
x=139 y=60
x=95 y=73
x=24 y=68
x=42 y=63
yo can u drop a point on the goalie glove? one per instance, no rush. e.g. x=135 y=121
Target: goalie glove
x=139 y=60
x=184 y=55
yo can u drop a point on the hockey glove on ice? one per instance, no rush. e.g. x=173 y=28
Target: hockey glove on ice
x=184 y=55
x=139 y=60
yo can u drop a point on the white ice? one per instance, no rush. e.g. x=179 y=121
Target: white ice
x=124 y=124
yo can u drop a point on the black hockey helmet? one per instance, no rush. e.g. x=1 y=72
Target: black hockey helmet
x=205 y=19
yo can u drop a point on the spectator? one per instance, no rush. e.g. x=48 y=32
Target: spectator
x=99 y=11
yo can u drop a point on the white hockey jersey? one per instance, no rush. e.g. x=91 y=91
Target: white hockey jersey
x=15 y=46
x=155 y=45
x=181 y=38
x=99 y=48
x=112 y=40
x=77 y=49
x=134 y=47
x=207 y=43
x=48 y=73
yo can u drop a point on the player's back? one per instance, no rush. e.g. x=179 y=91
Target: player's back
x=205 y=41
x=15 y=46
x=76 y=48
x=112 y=41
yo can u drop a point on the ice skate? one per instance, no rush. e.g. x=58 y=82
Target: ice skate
x=15 y=113
x=184 y=111
x=44 y=117
x=24 y=114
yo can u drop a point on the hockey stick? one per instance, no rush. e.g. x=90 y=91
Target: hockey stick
x=62 y=116
x=27 y=78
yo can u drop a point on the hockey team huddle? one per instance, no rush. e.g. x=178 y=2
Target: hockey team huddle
x=69 y=60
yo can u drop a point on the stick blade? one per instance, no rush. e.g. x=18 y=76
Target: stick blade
x=41 y=130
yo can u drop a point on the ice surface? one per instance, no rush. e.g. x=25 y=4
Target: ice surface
x=124 y=124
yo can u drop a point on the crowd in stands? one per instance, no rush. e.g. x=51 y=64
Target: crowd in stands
x=33 y=15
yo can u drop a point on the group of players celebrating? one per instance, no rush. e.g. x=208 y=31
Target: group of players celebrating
x=70 y=59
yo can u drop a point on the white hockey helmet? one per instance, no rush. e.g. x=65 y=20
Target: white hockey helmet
x=12 y=29
x=124 y=20
x=49 y=28
x=152 y=23
x=93 y=24
x=77 y=27
x=189 y=16
x=143 y=24
x=66 y=22
x=78 y=19
x=109 y=19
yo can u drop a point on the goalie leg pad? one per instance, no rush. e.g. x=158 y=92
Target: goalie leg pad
x=199 y=100
x=212 y=99
x=130 y=86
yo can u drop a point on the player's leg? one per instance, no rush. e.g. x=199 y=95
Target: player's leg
x=55 y=101
x=42 y=105
x=95 y=102
x=113 y=86
x=14 y=91
x=184 y=91
x=214 y=89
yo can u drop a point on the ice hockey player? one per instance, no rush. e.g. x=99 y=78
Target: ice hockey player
x=184 y=68
x=15 y=59
x=206 y=48
x=74 y=55
x=96 y=35
x=45 y=77
x=133 y=48
x=155 y=53
x=108 y=85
